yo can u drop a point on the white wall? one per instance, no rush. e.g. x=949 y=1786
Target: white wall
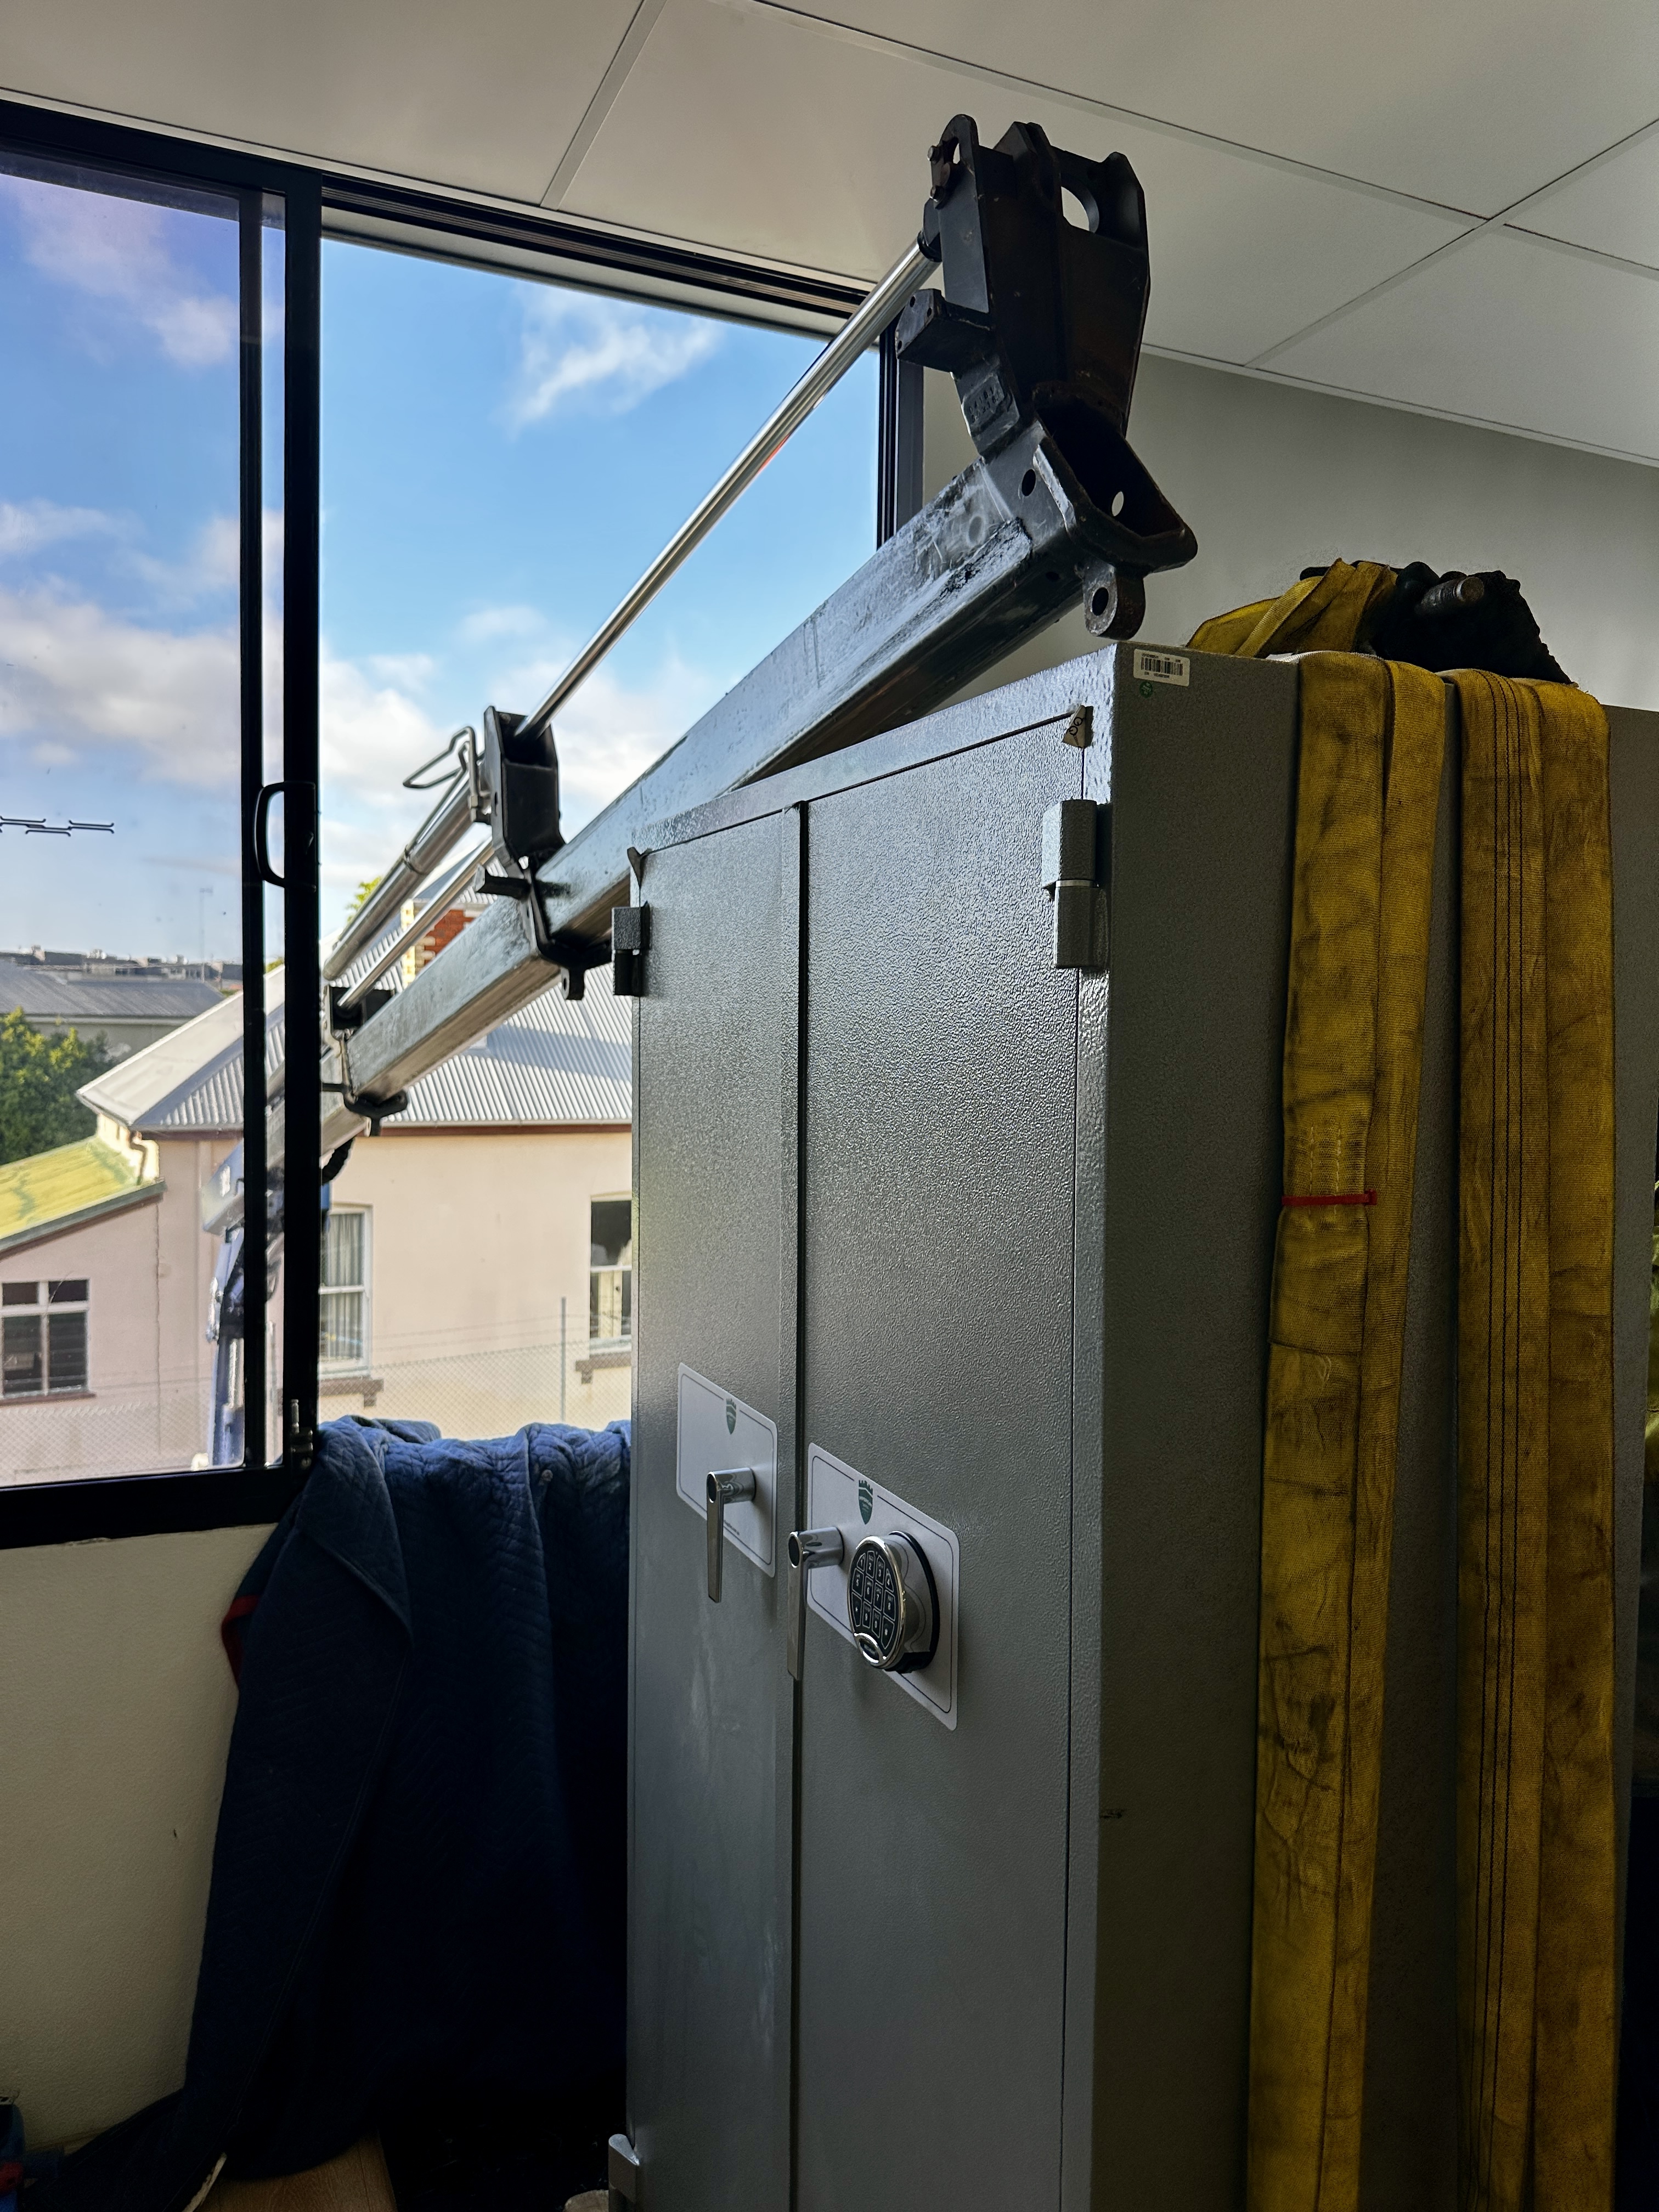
x=476 y=1236
x=1273 y=480
x=117 y=1708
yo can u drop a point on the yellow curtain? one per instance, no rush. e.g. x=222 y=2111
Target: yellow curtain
x=1535 y=1814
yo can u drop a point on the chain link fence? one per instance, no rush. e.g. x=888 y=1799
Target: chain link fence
x=478 y=1393
x=492 y=1392
x=48 y=1439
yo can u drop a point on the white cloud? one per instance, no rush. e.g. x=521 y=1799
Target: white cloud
x=411 y=671
x=27 y=526
x=608 y=735
x=373 y=735
x=75 y=678
x=501 y=621
x=606 y=353
x=116 y=251
x=196 y=864
x=212 y=564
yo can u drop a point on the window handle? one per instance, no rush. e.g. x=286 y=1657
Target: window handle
x=261 y=805
x=727 y=1487
x=809 y=1548
x=299 y=825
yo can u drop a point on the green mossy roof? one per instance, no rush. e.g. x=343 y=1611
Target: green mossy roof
x=50 y=1189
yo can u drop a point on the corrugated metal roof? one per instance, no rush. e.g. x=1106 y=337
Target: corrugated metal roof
x=71 y=1182
x=557 y=1063
x=554 y=1063
x=189 y=1082
x=43 y=993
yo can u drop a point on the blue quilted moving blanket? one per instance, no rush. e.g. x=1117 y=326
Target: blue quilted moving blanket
x=419 y=1877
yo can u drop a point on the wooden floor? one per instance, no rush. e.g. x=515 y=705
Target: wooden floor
x=356 y=2183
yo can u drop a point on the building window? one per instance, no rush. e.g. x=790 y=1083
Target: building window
x=343 y=1340
x=610 y=1271
x=43 y=1338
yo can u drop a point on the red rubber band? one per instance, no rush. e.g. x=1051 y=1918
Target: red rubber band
x=1339 y=1198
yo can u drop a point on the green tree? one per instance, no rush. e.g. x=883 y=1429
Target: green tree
x=39 y=1077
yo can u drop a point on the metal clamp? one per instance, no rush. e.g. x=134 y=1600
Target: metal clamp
x=809 y=1548
x=372 y=1110
x=726 y=1485
x=572 y=955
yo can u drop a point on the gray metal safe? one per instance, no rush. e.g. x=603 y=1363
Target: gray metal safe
x=940 y=1237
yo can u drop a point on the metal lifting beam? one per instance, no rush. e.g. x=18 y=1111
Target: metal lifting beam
x=1040 y=324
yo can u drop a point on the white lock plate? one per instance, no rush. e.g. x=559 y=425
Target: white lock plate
x=718 y=1430
x=839 y=1497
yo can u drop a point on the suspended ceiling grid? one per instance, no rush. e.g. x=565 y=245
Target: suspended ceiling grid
x=1453 y=208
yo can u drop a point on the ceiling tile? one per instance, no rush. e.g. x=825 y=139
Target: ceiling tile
x=486 y=97
x=814 y=150
x=1473 y=104
x=1512 y=331
x=1613 y=207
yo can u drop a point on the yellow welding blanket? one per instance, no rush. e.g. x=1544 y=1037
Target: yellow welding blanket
x=1372 y=749
x=1535 y=1824
x=1535 y=1817
x=1320 y=614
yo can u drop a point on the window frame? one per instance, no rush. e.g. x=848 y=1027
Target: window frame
x=319 y=201
x=41 y=1309
x=116 y=1506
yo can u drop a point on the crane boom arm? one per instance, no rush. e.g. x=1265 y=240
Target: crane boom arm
x=983 y=567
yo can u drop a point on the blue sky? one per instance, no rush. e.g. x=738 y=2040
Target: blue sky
x=501 y=458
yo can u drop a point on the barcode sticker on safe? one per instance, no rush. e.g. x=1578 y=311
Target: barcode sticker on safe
x=1160 y=667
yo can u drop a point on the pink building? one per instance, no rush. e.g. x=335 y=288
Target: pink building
x=476 y=1265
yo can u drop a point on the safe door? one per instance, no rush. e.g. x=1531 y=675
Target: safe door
x=711 y=1724
x=938 y=1121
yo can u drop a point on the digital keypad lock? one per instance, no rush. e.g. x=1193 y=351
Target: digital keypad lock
x=892 y=1604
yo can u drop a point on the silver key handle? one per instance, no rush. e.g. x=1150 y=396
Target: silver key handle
x=726 y=1485
x=809 y=1548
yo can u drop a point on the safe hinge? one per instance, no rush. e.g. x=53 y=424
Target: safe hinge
x=630 y=940
x=623 y=2174
x=1076 y=843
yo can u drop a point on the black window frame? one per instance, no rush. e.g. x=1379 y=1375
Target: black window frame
x=188 y=1499
x=319 y=203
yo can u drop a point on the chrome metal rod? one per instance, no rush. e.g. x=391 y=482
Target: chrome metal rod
x=866 y=323
x=449 y=820
x=438 y=897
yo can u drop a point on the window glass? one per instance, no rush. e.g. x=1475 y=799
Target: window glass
x=44 y=1353
x=611 y=1279
x=120 y=769
x=66 y=1368
x=344 y=1338
x=22 y=1355
x=501 y=459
